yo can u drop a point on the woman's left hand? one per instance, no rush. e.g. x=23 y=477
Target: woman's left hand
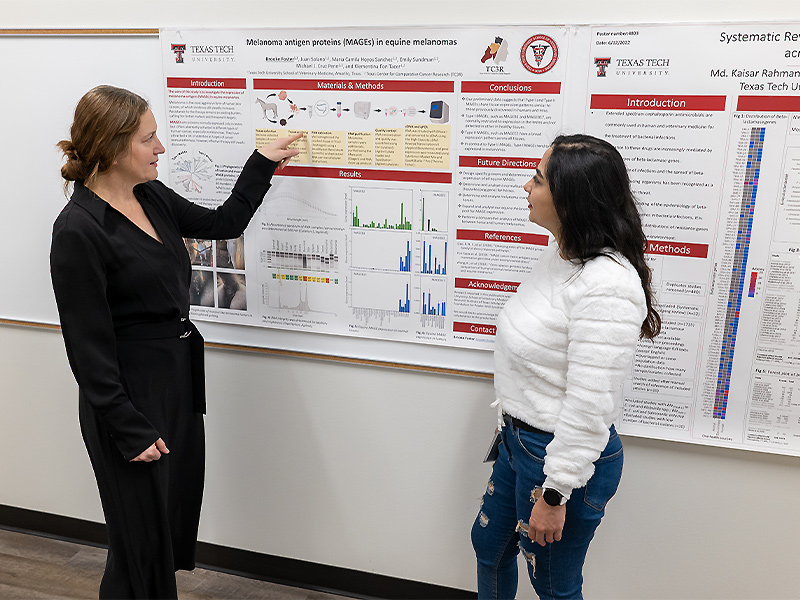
x=278 y=150
x=546 y=522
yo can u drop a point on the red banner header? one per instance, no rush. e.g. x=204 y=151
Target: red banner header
x=677 y=249
x=654 y=102
x=768 y=104
x=354 y=85
x=494 y=162
x=510 y=87
x=479 y=328
x=366 y=174
x=486 y=285
x=207 y=83
x=515 y=237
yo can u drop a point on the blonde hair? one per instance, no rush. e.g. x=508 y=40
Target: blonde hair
x=106 y=118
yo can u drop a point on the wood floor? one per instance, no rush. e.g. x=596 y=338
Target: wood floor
x=37 y=567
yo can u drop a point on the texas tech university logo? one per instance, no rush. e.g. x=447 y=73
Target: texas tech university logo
x=602 y=64
x=179 y=49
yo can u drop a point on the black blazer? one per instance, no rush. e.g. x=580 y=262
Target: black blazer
x=109 y=275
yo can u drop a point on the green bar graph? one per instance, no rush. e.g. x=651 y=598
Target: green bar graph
x=404 y=223
x=426 y=225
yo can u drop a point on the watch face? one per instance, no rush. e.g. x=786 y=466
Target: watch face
x=552 y=497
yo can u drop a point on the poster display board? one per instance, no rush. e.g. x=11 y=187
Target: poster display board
x=403 y=218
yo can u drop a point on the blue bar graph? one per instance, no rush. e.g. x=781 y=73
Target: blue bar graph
x=433 y=265
x=404 y=307
x=405 y=261
x=428 y=309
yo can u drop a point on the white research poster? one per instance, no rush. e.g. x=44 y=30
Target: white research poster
x=404 y=219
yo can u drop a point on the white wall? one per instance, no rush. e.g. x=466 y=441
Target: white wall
x=378 y=469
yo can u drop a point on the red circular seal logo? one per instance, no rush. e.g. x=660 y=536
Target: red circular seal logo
x=539 y=54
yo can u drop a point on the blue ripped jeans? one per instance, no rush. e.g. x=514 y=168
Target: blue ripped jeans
x=555 y=570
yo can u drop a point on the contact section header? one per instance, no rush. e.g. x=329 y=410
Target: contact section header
x=478 y=328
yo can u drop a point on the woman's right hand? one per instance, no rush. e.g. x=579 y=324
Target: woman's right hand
x=154 y=452
x=546 y=524
x=278 y=150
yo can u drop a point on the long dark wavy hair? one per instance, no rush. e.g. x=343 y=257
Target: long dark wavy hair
x=593 y=200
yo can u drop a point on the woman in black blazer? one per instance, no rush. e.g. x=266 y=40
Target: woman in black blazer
x=121 y=276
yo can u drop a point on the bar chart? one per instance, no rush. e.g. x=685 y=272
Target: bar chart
x=381 y=208
x=381 y=251
x=432 y=293
x=380 y=294
x=433 y=255
x=434 y=210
